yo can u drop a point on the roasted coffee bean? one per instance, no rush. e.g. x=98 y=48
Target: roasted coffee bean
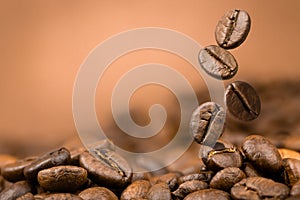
x=287 y=153
x=295 y=190
x=208 y=194
x=202 y=176
x=137 y=189
x=224 y=155
x=259 y=188
x=54 y=158
x=62 y=178
x=13 y=172
x=291 y=170
x=233 y=29
x=61 y=196
x=107 y=168
x=188 y=187
x=297 y=197
x=249 y=170
x=140 y=176
x=16 y=190
x=262 y=154
x=218 y=62
x=242 y=101
x=27 y=196
x=207 y=123
x=97 y=193
x=226 y=178
x=159 y=191
x=170 y=179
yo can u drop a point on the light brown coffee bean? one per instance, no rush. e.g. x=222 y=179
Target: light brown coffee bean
x=27 y=196
x=291 y=170
x=159 y=191
x=189 y=187
x=208 y=194
x=137 y=189
x=97 y=193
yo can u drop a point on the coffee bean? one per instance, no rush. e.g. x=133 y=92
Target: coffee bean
x=16 y=190
x=159 y=191
x=291 y=170
x=224 y=155
x=107 y=168
x=287 y=153
x=207 y=123
x=27 y=196
x=249 y=170
x=97 y=193
x=242 y=101
x=189 y=187
x=170 y=179
x=218 y=62
x=75 y=154
x=62 y=178
x=13 y=172
x=297 y=197
x=54 y=158
x=137 y=189
x=259 y=188
x=140 y=176
x=202 y=176
x=208 y=194
x=295 y=190
x=226 y=178
x=262 y=154
x=61 y=196
x=233 y=29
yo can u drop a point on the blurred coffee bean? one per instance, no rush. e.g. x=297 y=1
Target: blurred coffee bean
x=208 y=194
x=218 y=62
x=224 y=155
x=297 y=197
x=27 y=196
x=259 y=188
x=207 y=123
x=232 y=29
x=62 y=178
x=159 y=191
x=61 y=196
x=295 y=190
x=242 y=101
x=137 y=189
x=170 y=179
x=188 y=187
x=291 y=170
x=249 y=170
x=226 y=178
x=6 y=159
x=13 y=172
x=16 y=190
x=262 y=154
x=54 y=158
x=107 y=169
x=97 y=193
x=287 y=153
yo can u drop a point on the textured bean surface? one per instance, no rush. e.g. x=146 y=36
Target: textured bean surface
x=188 y=187
x=295 y=190
x=62 y=178
x=208 y=194
x=159 y=191
x=16 y=190
x=202 y=176
x=291 y=170
x=242 y=101
x=137 y=189
x=218 y=62
x=61 y=196
x=170 y=179
x=27 y=196
x=232 y=29
x=97 y=193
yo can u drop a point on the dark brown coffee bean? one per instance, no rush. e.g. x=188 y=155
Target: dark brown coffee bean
x=188 y=187
x=295 y=190
x=27 y=196
x=233 y=29
x=62 y=178
x=218 y=62
x=97 y=193
x=207 y=123
x=262 y=154
x=107 y=168
x=202 y=176
x=170 y=179
x=259 y=188
x=208 y=194
x=159 y=191
x=137 y=189
x=54 y=158
x=16 y=190
x=13 y=172
x=249 y=170
x=291 y=170
x=226 y=178
x=224 y=155
x=242 y=101
x=61 y=196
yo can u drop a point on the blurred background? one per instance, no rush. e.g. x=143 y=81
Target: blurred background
x=43 y=44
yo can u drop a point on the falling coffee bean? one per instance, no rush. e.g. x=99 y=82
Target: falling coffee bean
x=233 y=29
x=207 y=123
x=242 y=101
x=218 y=62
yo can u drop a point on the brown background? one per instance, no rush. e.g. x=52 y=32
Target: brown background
x=43 y=44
